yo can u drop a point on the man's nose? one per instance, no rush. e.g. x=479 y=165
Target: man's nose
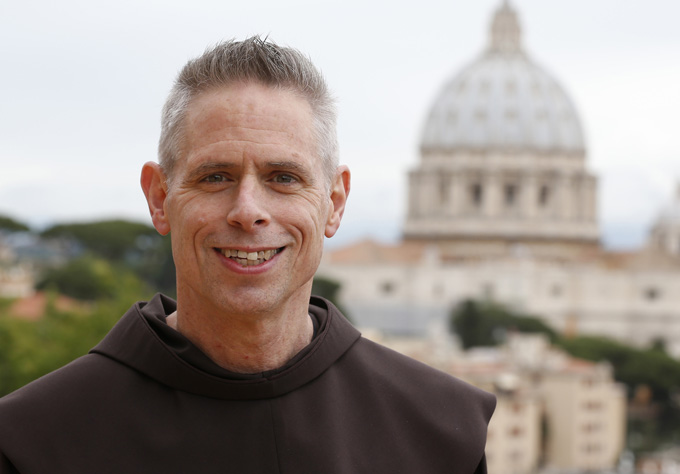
x=248 y=210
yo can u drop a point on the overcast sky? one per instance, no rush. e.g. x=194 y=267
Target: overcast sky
x=83 y=82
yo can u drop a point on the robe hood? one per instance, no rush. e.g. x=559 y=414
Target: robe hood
x=135 y=343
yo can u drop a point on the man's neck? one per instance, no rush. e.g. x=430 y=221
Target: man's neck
x=246 y=345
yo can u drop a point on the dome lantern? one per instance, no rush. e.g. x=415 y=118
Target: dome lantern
x=505 y=34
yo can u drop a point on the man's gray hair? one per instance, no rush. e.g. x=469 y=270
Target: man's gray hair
x=251 y=60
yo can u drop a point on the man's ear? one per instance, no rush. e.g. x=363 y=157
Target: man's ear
x=339 y=192
x=155 y=189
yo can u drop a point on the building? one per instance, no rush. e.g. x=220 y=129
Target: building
x=554 y=413
x=502 y=206
x=16 y=278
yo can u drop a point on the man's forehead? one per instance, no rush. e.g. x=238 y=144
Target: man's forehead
x=248 y=99
x=248 y=115
x=250 y=105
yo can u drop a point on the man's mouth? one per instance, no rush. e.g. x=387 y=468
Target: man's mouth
x=249 y=259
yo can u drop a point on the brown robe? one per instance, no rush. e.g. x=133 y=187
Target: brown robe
x=145 y=400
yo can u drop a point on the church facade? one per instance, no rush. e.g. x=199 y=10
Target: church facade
x=502 y=206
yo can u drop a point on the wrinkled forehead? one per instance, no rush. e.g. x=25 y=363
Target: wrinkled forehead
x=249 y=115
x=251 y=106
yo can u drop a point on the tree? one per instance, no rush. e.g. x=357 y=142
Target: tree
x=484 y=323
x=115 y=240
x=11 y=225
x=480 y=323
x=31 y=349
x=327 y=288
x=131 y=245
x=89 y=278
x=634 y=367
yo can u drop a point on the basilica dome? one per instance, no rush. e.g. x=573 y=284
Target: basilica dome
x=503 y=101
x=503 y=161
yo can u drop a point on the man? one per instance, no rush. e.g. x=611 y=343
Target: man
x=244 y=373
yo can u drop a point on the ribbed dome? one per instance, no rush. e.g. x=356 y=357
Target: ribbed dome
x=503 y=101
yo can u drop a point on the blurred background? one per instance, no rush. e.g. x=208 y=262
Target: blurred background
x=519 y=158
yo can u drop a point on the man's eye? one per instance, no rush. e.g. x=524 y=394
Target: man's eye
x=214 y=178
x=284 y=179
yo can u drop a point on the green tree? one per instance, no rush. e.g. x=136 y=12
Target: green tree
x=484 y=323
x=115 y=240
x=327 y=288
x=634 y=367
x=83 y=278
x=90 y=278
x=11 y=225
x=132 y=245
x=480 y=323
x=31 y=349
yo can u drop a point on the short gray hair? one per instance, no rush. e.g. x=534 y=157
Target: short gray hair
x=251 y=60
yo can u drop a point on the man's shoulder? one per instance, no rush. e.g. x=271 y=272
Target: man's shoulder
x=415 y=379
x=389 y=361
x=382 y=394
x=66 y=388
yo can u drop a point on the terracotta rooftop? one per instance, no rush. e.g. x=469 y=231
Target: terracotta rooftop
x=370 y=251
x=33 y=307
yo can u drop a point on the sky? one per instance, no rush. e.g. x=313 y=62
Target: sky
x=83 y=83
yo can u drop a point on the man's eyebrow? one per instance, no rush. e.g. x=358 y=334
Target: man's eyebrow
x=207 y=168
x=292 y=166
x=216 y=166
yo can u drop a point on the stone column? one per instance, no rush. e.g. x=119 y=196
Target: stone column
x=458 y=187
x=429 y=203
x=529 y=183
x=562 y=196
x=492 y=196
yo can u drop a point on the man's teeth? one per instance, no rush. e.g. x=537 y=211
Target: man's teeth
x=249 y=259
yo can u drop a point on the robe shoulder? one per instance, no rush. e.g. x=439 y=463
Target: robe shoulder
x=393 y=413
x=348 y=406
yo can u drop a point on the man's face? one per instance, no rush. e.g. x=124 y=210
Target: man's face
x=248 y=204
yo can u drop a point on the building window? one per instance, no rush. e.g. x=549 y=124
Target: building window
x=510 y=192
x=476 y=194
x=591 y=448
x=593 y=405
x=590 y=427
x=544 y=195
x=443 y=190
x=652 y=294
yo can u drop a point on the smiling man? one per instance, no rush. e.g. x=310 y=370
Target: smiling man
x=245 y=372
